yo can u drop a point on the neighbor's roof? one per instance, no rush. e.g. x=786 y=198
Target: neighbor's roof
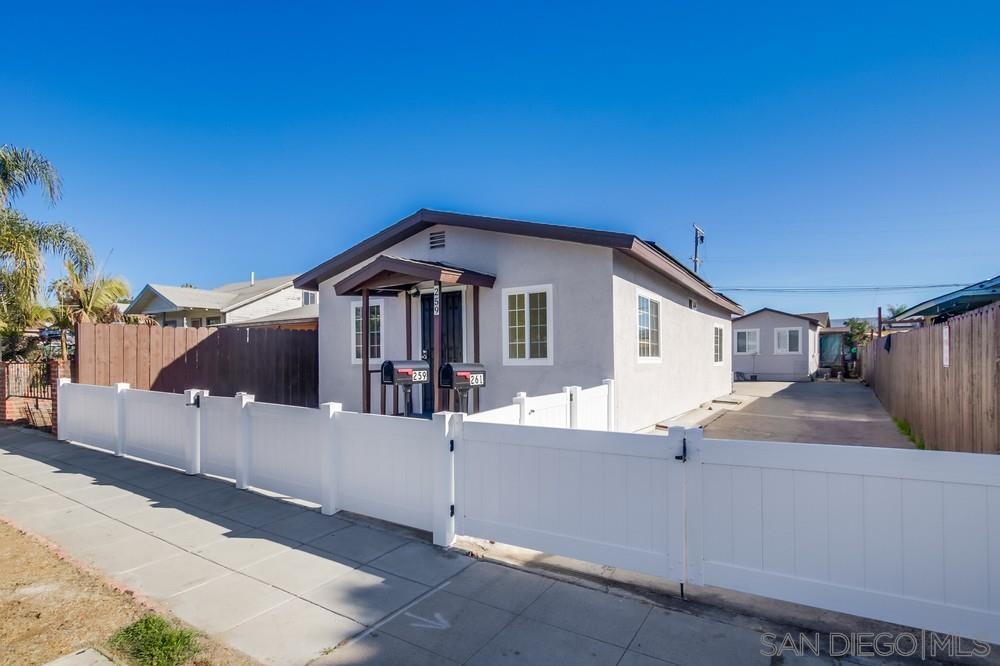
x=645 y=252
x=224 y=298
x=299 y=315
x=808 y=317
x=956 y=302
x=822 y=317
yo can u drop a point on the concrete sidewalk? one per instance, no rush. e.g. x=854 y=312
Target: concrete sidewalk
x=287 y=585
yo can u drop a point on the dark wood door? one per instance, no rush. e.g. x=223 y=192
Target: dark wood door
x=451 y=334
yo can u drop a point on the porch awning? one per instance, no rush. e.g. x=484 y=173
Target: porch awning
x=391 y=275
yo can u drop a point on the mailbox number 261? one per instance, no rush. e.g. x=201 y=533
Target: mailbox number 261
x=477 y=379
x=420 y=375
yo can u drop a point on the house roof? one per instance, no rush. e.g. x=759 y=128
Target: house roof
x=808 y=317
x=299 y=315
x=956 y=302
x=822 y=317
x=646 y=252
x=224 y=298
x=398 y=273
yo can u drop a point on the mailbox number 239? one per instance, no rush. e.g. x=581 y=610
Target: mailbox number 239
x=420 y=375
x=477 y=379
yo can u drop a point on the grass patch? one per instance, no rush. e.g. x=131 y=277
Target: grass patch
x=907 y=430
x=154 y=641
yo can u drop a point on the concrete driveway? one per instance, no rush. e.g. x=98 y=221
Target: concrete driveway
x=825 y=412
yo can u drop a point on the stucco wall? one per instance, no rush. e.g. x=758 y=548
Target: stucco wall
x=686 y=375
x=581 y=310
x=286 y=299
x=777 y=367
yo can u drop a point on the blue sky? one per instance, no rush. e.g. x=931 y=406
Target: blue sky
x=816 y=144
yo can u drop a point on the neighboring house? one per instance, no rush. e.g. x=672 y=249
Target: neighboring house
x=230 y=303
x=304 y=318
x=541 y=306
x=942 y=308
x=777 y=346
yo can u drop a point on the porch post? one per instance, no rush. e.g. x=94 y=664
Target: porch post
x=366 y=397
x=436 y=335
x=475 y=342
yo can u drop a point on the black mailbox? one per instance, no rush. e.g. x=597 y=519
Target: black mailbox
x=461 y=376
x=405 y=373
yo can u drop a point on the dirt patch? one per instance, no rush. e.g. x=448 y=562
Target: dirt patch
x=49 y=606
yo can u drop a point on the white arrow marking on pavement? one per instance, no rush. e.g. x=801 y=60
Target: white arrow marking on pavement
x=423 y=623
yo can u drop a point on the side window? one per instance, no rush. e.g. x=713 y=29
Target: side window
x=717 y=358
x=527 y=325
x=747 y=341
x=374 y=331
x=310 y=298
x=788 y=340
x=648 y=326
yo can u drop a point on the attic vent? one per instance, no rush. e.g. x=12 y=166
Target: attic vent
x=437 y=239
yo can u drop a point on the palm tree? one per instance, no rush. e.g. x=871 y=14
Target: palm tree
x=21 y=168
x=22 y=241
x=22 y=244
x=85 y=298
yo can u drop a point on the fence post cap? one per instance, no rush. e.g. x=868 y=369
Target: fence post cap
x=121 y=386
x=329 y=408
x=65 y=380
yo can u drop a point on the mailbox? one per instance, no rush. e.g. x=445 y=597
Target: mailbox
x=462 y=376
x=405 y=373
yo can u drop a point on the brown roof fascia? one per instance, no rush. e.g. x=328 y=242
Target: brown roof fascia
x=424 y=219
x=393 y=271
x=781 y=312
x=663 y=264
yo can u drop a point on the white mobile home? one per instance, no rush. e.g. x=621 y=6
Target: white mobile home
x=541 y=306
x=772 y=345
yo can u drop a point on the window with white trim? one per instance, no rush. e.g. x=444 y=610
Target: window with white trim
x=788 y=340
x=527 y=325
x=747 y=340
x=649 y=327
x=718 y=345
x=310 y=297
x=374 y=331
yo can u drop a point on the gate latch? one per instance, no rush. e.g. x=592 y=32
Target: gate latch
x=683 y=457
x=196 y=402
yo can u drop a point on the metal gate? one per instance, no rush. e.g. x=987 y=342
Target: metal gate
x=27 y=380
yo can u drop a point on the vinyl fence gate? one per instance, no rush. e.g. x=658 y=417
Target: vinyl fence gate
x=905 y=536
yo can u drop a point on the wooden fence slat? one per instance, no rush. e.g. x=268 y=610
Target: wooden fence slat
x=955 y=408
x=276 y=365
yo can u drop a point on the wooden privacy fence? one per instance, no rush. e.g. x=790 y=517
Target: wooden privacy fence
x=277 y=366
x=950 y=397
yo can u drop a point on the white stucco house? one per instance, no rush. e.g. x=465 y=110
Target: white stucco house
x=541 y=306
x=772 y=345
x=226 y=304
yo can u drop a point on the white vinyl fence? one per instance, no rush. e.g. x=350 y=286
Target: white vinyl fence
x=906 y=536
x=573 y=407
x=577 y=493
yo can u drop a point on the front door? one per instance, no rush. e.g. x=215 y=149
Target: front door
x=451 y=335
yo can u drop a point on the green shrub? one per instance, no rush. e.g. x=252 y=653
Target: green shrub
x=153 y=641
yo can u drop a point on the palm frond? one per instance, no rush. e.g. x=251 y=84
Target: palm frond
x=22 y=168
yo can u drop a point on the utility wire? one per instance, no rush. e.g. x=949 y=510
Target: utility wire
x=844 y=289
